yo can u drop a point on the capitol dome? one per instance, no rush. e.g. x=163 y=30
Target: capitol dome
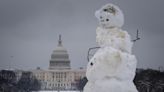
x=59 y=57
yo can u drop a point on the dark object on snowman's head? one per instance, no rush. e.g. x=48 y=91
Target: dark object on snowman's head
x=110 y=9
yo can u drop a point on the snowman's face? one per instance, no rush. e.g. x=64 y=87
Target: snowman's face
x=110 y=16
x=104 y=64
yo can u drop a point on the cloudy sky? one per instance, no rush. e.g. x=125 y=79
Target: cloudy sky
x=29 y=30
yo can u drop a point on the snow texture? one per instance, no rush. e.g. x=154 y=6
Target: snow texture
x=110 y=16
x=112 y=68
x=114 y=37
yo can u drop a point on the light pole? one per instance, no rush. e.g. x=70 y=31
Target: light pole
x=58 y=85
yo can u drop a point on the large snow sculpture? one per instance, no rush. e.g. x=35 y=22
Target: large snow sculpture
x=112 y=68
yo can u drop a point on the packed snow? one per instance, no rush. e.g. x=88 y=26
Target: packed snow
x=112 y=68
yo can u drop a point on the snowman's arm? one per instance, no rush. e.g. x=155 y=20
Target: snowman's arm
x=90 y=50
x=137 y=37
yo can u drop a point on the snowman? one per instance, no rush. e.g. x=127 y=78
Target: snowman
x=112 y=68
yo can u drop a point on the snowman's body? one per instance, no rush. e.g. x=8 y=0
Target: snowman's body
x=112 y=68
x=115 y=37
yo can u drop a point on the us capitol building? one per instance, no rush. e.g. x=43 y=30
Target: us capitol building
x=59 y=76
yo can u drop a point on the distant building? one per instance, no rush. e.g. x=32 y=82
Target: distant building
x=59 y=76
x=59 y=79
x=59 y=58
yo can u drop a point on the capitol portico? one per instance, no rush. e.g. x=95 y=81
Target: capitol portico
x=59 y=75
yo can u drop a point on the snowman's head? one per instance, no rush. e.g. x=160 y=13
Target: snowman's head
x=110 y=16
x=104 y=64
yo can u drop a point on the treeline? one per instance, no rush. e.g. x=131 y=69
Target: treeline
x=10 y=83
x=145 y=80
x=149 y=80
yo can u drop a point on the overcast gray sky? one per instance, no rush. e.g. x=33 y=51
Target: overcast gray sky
x=29 y=30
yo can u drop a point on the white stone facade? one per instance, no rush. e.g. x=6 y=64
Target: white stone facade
x=59 y=76
x=59 y=79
